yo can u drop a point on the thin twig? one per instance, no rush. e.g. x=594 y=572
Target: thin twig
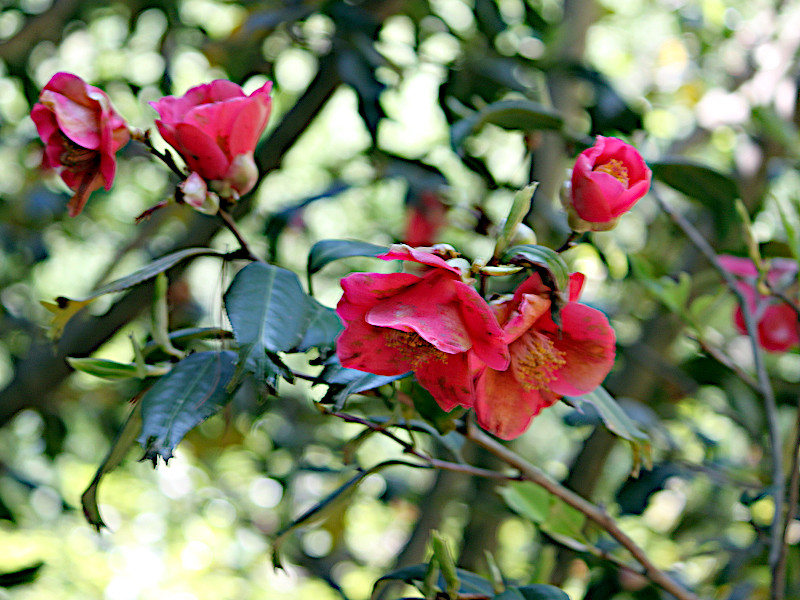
x=592 y=512
x=410 y=449
x=764 y=385
x=569 y=242
x=794 y=492
x=231 y=226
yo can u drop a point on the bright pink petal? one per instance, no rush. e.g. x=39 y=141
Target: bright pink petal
x=248 y=126
x=778 y=328
x=488 y=342
x=201 y=153
x=363 y=347
x=529 y=310
x=365 y=289
x=430 y=307
x=503 y=407
x=403 y=252
x=448 y=379
x=744 y=267
x=78 y=122
x=588 y=346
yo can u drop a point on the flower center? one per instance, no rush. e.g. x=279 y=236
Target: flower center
x=413 y=347
x=77 y=158
x=616 y=169
x=536 y=360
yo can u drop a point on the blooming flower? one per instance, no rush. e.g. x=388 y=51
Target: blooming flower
x=427 y=323
x=82 y=134
x=215 y=128
x=606 y=182
x=777 y=321
x=546 y=362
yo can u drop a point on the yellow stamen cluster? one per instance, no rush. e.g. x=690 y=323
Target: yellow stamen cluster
x=616 y=169
x=536 y=361
x=413 y=348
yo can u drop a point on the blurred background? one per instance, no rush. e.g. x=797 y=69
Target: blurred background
x=375 y=135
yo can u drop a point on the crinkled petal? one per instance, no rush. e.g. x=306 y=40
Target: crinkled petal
x=430 y=308
x=404 y=252
x=364 y=347
x=588 y=346
x=365 y=289
x=83 y=187
x=487 y=337
x=530 y=309
x=503 y=407
x=78 y=122
x=448 y=379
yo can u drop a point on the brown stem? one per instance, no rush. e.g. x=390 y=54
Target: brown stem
x=592 y=512
x=569 y=242
x=764 y=384
x=230 y=224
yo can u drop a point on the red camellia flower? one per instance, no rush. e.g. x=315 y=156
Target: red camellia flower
x=82 y=134
x=777 y=322
x=428 y=323
x=607 y=180
x=215 y=128
x=546 y=362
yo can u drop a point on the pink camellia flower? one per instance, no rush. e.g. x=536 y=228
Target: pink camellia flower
x=82 y=134
x=546 y=362
x=606 y=182
x=778 y=329
x=428 y=323
x=215 y=128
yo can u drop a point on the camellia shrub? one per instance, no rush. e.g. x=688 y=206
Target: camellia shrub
x=451 y=355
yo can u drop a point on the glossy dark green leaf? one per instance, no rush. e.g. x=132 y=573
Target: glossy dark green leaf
x=269 y=312
x=470 y=582
x=537 y=591
x=551 y=267
x=524 y=115
x=119 y=449
x=343 y=382
x=716 y=191
x=194 y=390
x=322 y=329
x=327 y=251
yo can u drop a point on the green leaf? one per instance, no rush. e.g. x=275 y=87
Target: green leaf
x=109 y=369
x=322 y=329
x=713 y=189
x=327 y=251
x=617 y=422
x=343 y=382
x=790 y=220
x=182 y=336
x=119 y=449
x=269 y=312
x=524 y=115
x=564 y=520
x=540 y=591
x=470 y=582
x=527 y=499
x=20 y=576
x=429 y=409
x=447 y=566
x=519 y=208
x=672 y=294
x=195 y=389
x=550 y=265
x=64 y=308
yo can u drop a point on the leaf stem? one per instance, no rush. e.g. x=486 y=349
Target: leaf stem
x=231 y=225
x=531 y=473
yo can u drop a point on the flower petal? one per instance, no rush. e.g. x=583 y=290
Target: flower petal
x=488 y=342
x=503 y=407
x=449 y=380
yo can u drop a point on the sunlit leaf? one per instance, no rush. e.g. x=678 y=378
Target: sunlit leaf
x=119 y=449
x=617 y=422
x=65 y=308
x=109 y=369
x=519 y=208
x=527 y=499
x=195 y=389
